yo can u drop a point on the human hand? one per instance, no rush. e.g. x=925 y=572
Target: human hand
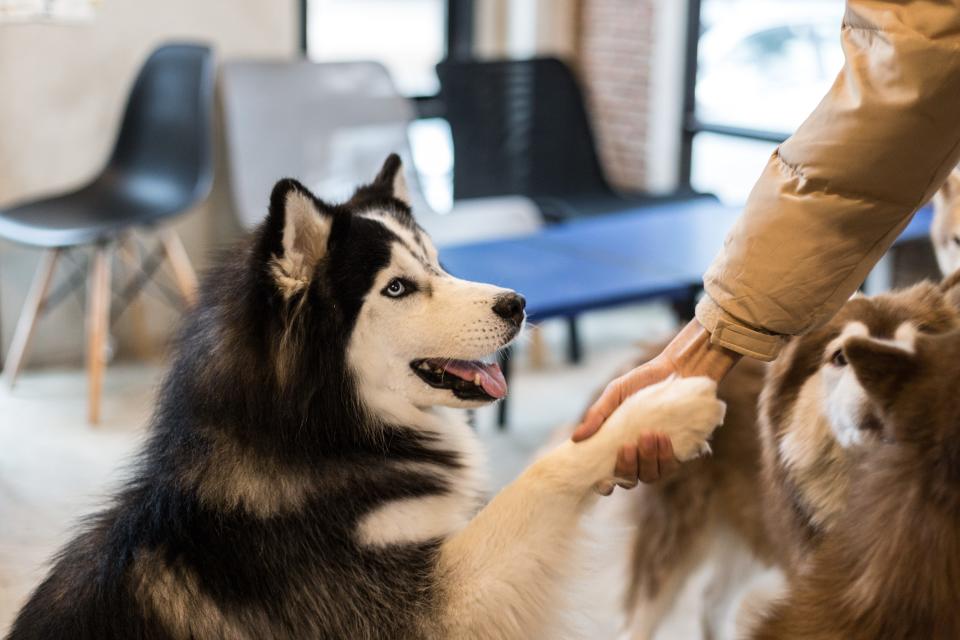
x=651 y=459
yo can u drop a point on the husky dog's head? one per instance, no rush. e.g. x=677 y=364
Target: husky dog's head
x=359 y=284
x=817 y=417
x=945 y=230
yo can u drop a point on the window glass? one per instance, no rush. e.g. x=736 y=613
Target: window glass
x=726 y=166
x=763 y=64
x=405 y=35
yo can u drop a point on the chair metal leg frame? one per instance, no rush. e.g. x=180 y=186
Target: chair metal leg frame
x=183 y=271
x=136 y=284
x=99 y=294
x=32 y=309
x=130 y=256
x=98 y=324
x=71 y=284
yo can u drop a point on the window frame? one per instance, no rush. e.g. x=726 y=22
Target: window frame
x=458 y=40
x=690 y=124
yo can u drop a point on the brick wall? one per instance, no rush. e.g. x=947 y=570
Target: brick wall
x=616 y=42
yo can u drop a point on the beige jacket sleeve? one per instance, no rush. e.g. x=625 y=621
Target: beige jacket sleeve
x=835 y=196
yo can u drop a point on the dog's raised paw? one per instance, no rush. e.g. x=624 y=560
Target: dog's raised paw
x=685 y=409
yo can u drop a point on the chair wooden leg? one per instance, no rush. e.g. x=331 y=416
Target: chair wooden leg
x=32 y=308
x=130 y=255
x=98 y=322
x=183 y=271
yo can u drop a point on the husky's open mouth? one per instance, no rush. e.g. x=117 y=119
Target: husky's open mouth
x=467 y=379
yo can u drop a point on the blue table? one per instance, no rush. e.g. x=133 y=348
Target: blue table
x=592 y=263
x=654 y=252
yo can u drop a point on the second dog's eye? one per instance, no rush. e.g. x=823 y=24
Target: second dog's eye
x=838 y=359
x=956 y=240
x=398 y=287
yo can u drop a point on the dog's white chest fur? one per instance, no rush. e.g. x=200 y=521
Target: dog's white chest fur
x=421 y=519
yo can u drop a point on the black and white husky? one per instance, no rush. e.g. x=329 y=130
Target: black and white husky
x=300 y=480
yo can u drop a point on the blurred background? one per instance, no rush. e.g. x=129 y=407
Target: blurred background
x=591 y=153
x=66 y=67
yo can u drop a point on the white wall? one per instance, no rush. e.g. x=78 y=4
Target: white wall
x=63 y=88
x=665 y=111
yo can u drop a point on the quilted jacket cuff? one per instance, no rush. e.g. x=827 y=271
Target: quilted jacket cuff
x=726 y=331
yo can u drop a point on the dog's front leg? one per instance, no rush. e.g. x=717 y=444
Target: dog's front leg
x=502 y=571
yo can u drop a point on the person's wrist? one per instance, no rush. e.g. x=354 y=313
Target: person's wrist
x=692 y=354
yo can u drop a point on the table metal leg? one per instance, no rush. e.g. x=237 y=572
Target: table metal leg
x=574 y=347
x=504 y=357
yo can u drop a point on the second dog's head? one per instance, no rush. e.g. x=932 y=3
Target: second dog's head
x=817 y=417
x=361 y=283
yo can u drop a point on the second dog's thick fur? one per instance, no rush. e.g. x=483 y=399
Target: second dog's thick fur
x=790 y=491
x=867 y=486
x=302 y=479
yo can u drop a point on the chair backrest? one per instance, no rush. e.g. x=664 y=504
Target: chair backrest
x=164 y=151
x=330 y=125
x=519 y=127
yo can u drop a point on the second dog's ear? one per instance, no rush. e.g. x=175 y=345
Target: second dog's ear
x=295 y=235
x=880 y=367
x=391 y=179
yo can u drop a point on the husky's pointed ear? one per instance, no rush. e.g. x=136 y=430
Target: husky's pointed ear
x=391 y=179
x=295 y=235
x=881 y=367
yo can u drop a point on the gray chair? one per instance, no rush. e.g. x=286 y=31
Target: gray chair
x=330 y=125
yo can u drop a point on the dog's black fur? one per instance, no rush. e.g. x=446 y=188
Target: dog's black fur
x=295 y=572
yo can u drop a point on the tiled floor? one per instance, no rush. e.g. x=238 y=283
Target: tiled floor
x=54 y=468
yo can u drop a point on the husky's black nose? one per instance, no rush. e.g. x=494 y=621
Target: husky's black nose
x=510 y=306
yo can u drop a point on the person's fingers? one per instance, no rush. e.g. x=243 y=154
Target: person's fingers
x=627 y=468
x=669 y=464
x=649 y=470
x=608 y=401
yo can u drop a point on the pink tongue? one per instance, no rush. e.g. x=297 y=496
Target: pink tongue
x=491 y=378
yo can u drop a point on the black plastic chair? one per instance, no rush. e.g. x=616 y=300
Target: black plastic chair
x=521 y=127
x=161 y=166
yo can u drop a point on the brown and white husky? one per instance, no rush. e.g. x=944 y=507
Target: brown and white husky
x=846 y=483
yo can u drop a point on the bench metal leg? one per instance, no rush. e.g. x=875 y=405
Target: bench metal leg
x=33 y=308
x=685 y=306
x=504 y=357
x=574 y=347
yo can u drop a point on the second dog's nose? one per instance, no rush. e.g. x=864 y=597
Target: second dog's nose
x=510 y=307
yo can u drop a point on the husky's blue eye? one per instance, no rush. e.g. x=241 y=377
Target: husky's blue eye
x=398 y=287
